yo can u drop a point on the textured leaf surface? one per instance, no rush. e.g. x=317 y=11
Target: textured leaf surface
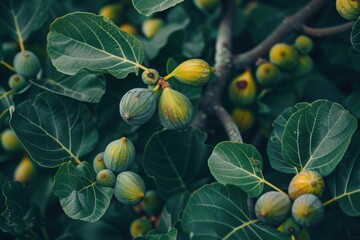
x=220 y=212
x=80 y=196
x=148 y=7
x=85 y=41
x=238 y=164
x=54 y=129
x=353 y=103
x=355 y=35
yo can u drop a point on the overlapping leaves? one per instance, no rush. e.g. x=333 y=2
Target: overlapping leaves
x=148 y=7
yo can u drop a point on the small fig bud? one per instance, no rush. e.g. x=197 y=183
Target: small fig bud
x=304 y=182
x=272 y=208
x=244 y=118
x=304 y=67
x=284 y=56
x=129 y=28
x=290 y=227
x=242 y=90
x=119 y=155
x=150 y=76
x=348 y=9
x=152 y=203
x=307 y=210
x=105 y=178
x=25 y=171
x=193 y=72
x=268 y=75
x=151 y=26
x=27 y=64
x=303 y=44
x=129 y=188
x=98 y=163
x=140 y=226
x=115 y=12
x=206 y=4
x=175 y=109
x=10 y=141
x=17 y=82
x=137 y=106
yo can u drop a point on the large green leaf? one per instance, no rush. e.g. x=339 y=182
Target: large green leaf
x=148 y=7
x=274 y=147
x=85 y=41
x=353 y=103
x=176 y=160
x=80 y=196
x=220 y=212
x=344 y=182
x=22 y=17
x=317 y=136
x=157 y=235
x=238 y=164
x=54 y=129
x=355 y=35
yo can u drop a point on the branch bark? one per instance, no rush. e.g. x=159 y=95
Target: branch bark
x=329 y=31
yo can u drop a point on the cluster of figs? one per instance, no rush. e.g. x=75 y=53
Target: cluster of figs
x=292 y=213
x=175 y=110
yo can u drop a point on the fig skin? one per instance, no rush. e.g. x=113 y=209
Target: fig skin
x=306 y=182
x=348 y=9
x=303 y=44
x=140 y=226
x=284 y=56
x=129 y=188
x=307 y=210
x=119 y=155
x=152 y=203
x=98 y=162
x=9 y=141
x=151 y=27
x=27 y=64
x=242 y=89
x=150 y=76
x=25 y=171
x=17 y=82
x=105 y=178
x=304 y=67
x=268 y=75
x=243 y=118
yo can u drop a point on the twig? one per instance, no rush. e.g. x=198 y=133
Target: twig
x=229 y=125
x=291 y=23
x=329 y=31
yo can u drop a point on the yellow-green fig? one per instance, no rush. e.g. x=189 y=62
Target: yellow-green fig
x=114 y=11
x=25 y=171
x=98 y=163
x=152 y=203
x=129 y=28
x=151 y=26
x=304 y=67
x=140 y=226
x=303 y=44
x=284 y=56
x=150 y=76
x=27 y=64
x=10 y=141
x=244 y=118
x=129 y=188
x=307 y=210
x=290 y=227
x=105 y=178
x=119 y=155
x=242 y=90
x=304 y=182
x=268 y=74
x=348 y=9
x=206 y=4
x=17 y=82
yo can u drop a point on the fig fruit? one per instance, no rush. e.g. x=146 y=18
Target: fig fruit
x=152 y=203
x=267 y=74
x=348 y=9
x=193 y=72
x=303 y=44
x=98 y=163
x=115 y=12
x=290 y=227
x=27 y=64
x=17 y=82
x=129 y=188
x=304 y=67
x=206 y=4
x=284 y=56
x=10 y=141
x=129 y=28
x=119 y=155
x=242 y=90
x=137 y=106
x=244 y=118
x=140 y=226
x=105 y=178
x=307 y=210
x=25 y=171
x=150 y=76
x=272 y=207
x=304 y=182
x=175 y=109
x=151 y=26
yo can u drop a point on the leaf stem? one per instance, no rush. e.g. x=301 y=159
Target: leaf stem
x=142 y=67
x=240 y=227
x=339 y=197
x=18 y=32
x=273 y=186
x=5 y=94
x=11 y=68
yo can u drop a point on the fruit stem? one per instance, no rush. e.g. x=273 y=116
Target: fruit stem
x=240 y=227
x=142 y=67
x=156 y=88
x=11 y=68
x=167 y=77
x=18 y=33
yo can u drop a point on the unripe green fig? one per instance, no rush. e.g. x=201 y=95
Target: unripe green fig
x=10 y=141
x=98 y=163
x=150 y=76
x=129 y=188
x=290 y=227
x=137 y=106
x=242 y=90
x=193 y=72
x=140 y=226
x=175 y=109
x=27 y=64
x=206 y=4
x=268 y=74
x=151 y=26
x=105 y=178
x=272 y=207
x=307 y=210
x=152 y=203
x=284 y=56
x=348 y=9
x=115 y=12
x=303 y=44
x=306 y=181
x=304 y=67
x=17 y=82
x=243 y=118
x=119 y=155
x=25 y=171
x=129 y=28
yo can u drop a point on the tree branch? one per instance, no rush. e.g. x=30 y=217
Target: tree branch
x=289 y=24
x=329 y=31
x=228 y=123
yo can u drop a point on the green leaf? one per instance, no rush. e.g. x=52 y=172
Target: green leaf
x=344 y=182
x=238 y=164
x=22 y=17
x=355 y=36
x=353 y=103
x=54 y=129
x=148 y=7
x=220 y=212
x=80 y=196
x=156 y=235
x=169 y=159
x=317 y=136
x=274 y=147
x=5 y=100
x=85 y=41
x=82 y=86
